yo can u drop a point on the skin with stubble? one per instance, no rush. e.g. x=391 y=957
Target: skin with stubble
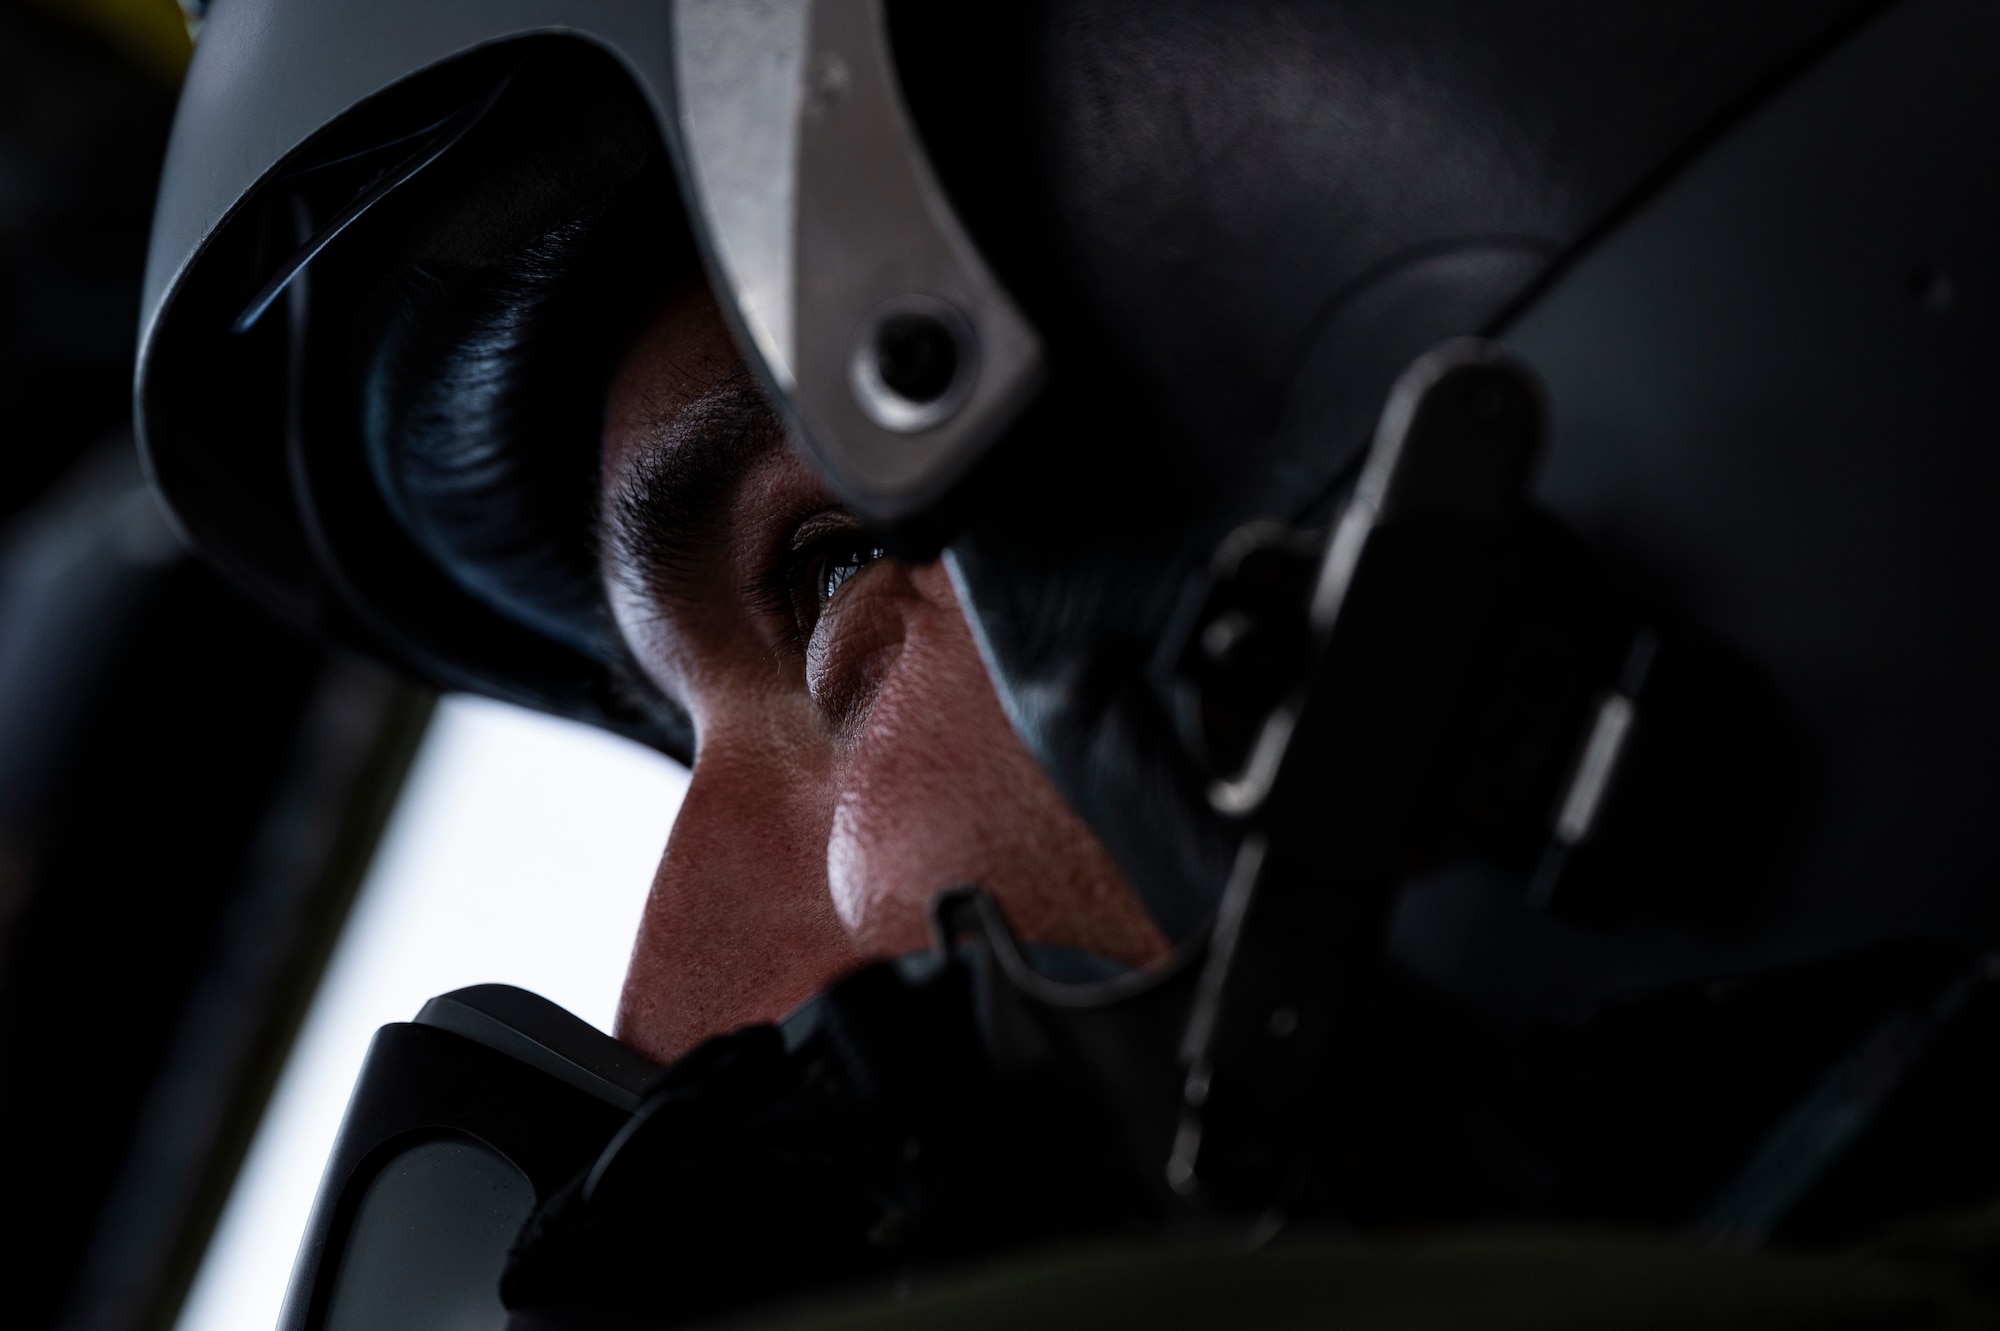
x=852 y=759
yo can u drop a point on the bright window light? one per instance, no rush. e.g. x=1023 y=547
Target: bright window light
x=520 y=853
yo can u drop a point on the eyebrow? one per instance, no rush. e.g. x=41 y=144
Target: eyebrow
x=668 y=511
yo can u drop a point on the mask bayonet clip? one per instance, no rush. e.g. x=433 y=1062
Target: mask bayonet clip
x=1453 y=678
x=1389 y=647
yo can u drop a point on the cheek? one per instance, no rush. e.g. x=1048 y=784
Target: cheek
x=938 y=791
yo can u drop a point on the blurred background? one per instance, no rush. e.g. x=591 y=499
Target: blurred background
x=226 y=855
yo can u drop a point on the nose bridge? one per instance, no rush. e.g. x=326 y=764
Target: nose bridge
x=753 y=808
x=739 y=927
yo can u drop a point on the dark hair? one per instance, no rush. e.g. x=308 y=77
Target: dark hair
x=523 y=266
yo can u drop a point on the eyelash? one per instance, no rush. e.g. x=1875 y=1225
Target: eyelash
x=854 y=555
x=808 y=576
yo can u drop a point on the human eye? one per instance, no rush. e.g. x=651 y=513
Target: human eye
x=839 y=559
x=824 y=554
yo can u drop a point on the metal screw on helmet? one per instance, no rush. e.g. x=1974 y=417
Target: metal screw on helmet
x=913 y=364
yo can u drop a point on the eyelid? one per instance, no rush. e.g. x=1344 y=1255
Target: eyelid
x=857 y=550
x=825 y=523
x=777 y=588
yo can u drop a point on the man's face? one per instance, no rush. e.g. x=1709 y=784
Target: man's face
x=852 y=759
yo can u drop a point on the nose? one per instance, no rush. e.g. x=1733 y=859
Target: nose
x=739 y=927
